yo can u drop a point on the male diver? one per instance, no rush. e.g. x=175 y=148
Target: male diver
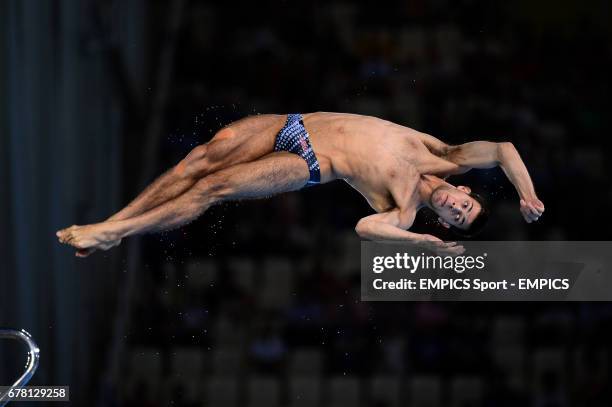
x=397 y=169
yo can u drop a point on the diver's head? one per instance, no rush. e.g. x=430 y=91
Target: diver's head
x=459 y=209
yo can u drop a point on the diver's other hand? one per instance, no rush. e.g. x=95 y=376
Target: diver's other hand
x=441 y=247
x=531 y=209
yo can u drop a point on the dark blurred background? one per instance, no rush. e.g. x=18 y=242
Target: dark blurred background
x=257 y=303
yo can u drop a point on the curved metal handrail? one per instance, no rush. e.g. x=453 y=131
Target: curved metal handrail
x=31 y=365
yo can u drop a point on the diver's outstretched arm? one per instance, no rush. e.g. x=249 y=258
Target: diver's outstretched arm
x=486 y=154
x=388 y=226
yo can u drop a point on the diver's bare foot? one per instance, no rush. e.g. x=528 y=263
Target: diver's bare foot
x=89 y=238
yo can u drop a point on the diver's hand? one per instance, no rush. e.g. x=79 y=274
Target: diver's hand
x=441 y=247
x=531 y=209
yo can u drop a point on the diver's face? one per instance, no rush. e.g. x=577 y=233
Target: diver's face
x=454 y=206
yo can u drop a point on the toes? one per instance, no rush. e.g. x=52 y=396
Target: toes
x=66 y=236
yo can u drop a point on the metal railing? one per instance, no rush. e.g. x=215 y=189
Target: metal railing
x=31 y=365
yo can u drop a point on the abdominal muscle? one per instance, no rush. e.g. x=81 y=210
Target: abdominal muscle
x=346 y=140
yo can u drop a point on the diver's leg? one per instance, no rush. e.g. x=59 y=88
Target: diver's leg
x=242 y=141
x=272 y=174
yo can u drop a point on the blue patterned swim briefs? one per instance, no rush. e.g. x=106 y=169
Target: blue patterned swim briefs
x=293 y=138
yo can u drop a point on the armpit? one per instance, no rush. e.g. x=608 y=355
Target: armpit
x=435 y=146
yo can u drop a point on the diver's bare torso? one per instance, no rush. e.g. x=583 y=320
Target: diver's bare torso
x=382 y=160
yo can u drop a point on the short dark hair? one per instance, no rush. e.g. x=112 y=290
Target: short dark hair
x=478 y=223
